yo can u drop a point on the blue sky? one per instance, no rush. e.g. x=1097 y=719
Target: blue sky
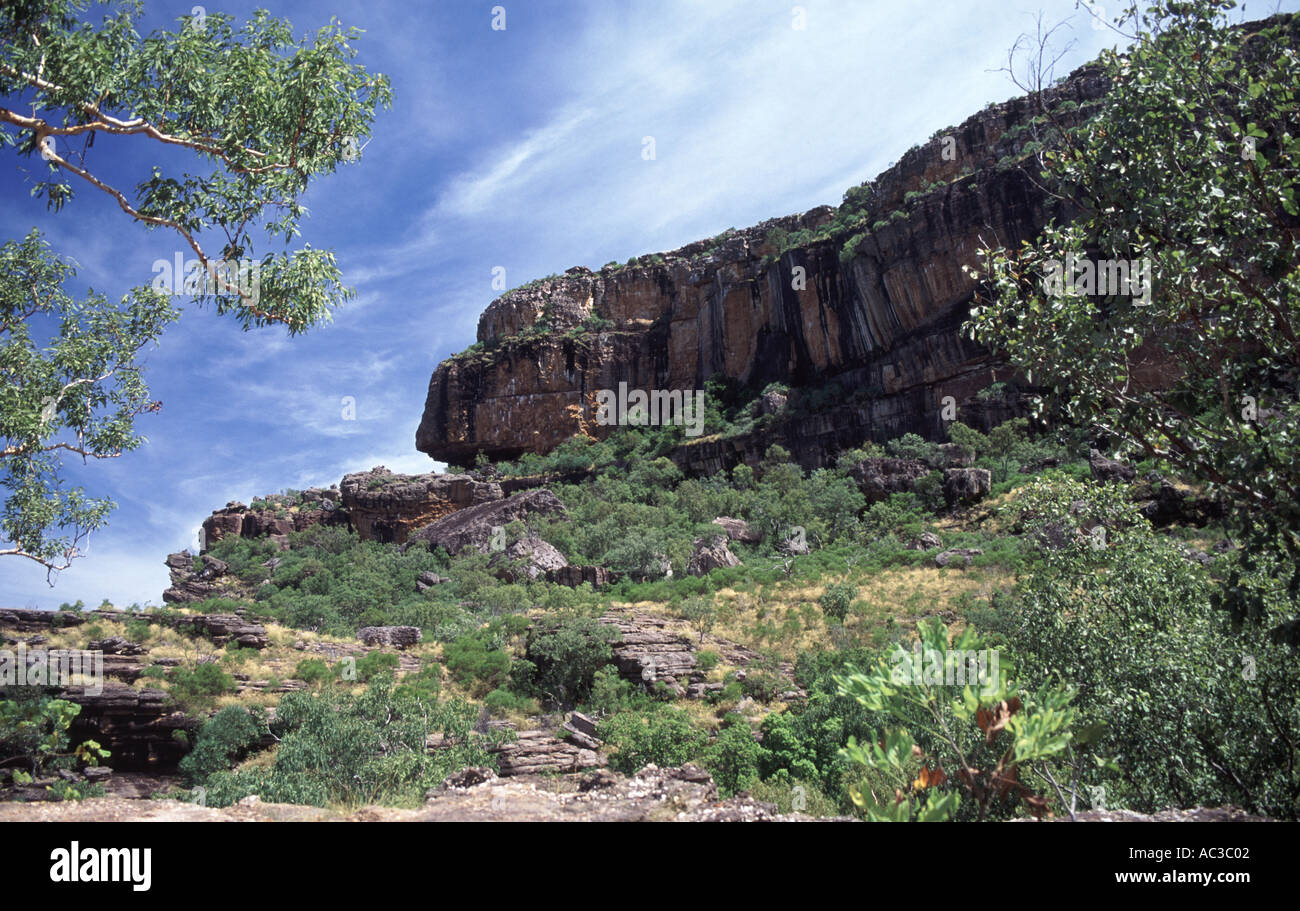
x=518 y=148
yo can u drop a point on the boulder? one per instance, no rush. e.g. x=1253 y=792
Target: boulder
x=966 y=485
x=772 y=402
x=528 y=558
x=389 y=507
x=470 y=777
x=794 y=546
x=116 y=645
x=536 y=752
x=1104 y=469
x=739 y=530
x=953 y=456
x=581 y=729
x=428 y=580
x=709 y=554
x=224 y=629
x=925 y=541
x=957 y=556
x=597 y=577
x=1163 y=505
x=397 y=636
x=192 y=578
x=473 y=526
x=702 y=690
x=648 y=649
x=879 y=478
x=660 y=567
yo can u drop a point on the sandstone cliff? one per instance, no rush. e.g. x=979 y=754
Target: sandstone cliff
x=871 y=296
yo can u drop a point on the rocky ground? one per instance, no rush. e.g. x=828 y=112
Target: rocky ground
x=685 y=794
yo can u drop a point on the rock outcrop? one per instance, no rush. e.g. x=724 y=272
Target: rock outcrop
x=710 y=553
x=222 y=629
x=739 y=530
x=963 y=486
x=534 y=752
x=138 y=727
x=1104 y=469
x=960 y=556
x=529 y=558
x=275 y=515
x=1164 y=505
x=193 y=578
x=396 y=636
x=378 y=504
x=685 y=794
x=649 y=649
x=473 y=526
x=879 y=478
x=874 y=303
x=388 y=507
x=597 y=577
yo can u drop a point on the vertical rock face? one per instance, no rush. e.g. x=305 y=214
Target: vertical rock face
x=876 y=304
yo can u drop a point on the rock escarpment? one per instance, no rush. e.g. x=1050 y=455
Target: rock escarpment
x=871 y=297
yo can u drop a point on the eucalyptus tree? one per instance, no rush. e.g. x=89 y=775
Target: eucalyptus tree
x=230 y=123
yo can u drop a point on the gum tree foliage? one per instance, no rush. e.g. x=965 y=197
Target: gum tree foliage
x=69 y=387
x=238 y=119
x=1189 y=162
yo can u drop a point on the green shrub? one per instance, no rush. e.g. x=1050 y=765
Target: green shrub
x=502 y=701
x=376 y=663
x=201 y=684
x=337 y=748
x=610 y=693
x=475 y=665
x=312 y=671
x=656 y=733
x=224 y=739
x=1131 y=623
x=34 y=732
x=425 y=684
x=566 y=657
x=734 y=757
x=837 y=599
x=794 y=796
